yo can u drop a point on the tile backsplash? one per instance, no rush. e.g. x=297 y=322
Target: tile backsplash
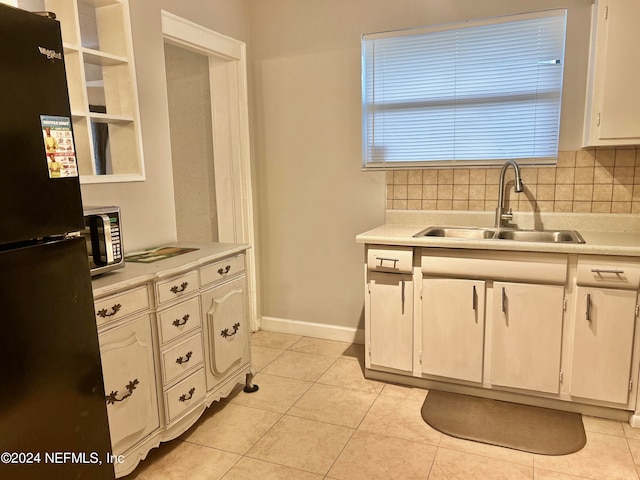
x=596 y=180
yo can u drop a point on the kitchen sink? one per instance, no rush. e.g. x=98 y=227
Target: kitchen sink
x=471 y=233
x=545 y=236
x=457 y=232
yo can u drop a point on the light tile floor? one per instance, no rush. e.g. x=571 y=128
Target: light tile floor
x=316 y=417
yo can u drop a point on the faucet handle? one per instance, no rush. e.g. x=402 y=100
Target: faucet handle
x=507 y=215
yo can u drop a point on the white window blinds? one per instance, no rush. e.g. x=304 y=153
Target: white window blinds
x=470 y=93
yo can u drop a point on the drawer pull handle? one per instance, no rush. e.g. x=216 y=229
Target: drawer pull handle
x=225 y=333
x=179 y=289
x=113 y=396
x=383 y=259
x=104 y=313
x=185 y=359
x=504 y=300
x=588 y=314
x=225 y=270
x=607 y=270
x=180 y=322
x=184 y=397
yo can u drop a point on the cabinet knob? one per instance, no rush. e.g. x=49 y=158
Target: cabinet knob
x=184 y=397
x=179 y=289
x=185 y=359
x=104 y=313
x=113 y=396
x=180 y=322
x=225 y=333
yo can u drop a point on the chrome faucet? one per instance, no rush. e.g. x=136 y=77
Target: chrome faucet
x=500 y=213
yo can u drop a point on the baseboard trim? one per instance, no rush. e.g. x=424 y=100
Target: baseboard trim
x=310 y=329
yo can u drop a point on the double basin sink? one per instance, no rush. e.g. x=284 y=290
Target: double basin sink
x=471 y=233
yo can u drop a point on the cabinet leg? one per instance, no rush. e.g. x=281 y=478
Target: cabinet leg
x=249 y=387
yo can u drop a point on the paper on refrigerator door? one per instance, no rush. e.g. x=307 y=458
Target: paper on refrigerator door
x=59 y=147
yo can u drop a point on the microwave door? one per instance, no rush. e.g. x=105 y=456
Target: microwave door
x=101 y=240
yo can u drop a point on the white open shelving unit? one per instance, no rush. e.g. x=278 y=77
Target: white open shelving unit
x=100 y=69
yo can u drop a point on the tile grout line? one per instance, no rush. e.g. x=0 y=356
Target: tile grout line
x=354 y=430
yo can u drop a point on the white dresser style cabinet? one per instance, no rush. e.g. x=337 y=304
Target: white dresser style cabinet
x=174 y=337
x=128 y=365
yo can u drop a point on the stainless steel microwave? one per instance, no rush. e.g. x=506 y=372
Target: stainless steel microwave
x=103 y=232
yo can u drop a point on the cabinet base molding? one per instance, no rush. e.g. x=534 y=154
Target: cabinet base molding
x=584 y=409
x=311 y=329
x=140 y=451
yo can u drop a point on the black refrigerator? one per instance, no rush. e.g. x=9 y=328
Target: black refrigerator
x=53 y=417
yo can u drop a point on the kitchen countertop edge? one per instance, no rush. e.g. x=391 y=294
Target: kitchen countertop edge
x=134 y=274
x=596 y=243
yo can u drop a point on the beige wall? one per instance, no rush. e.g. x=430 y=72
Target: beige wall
x=148 y=207
x=313 y=198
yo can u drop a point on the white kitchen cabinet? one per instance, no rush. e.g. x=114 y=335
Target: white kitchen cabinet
x=128 y=368
x=605 y=315
x=613 y=97
x=453 y=314
x=603 y=344
x=174 y=338
x=226 y=330
x=526 y=325
x=524 y=319
x=390 y=321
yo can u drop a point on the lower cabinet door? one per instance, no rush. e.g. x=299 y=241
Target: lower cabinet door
x=129 y=382
x=391 y=321
x=226 y=326
x=603 y=344
x=453 y=328
x=527 y=336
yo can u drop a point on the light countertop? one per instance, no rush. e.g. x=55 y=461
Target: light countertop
x=136 y=273
x=603 y=235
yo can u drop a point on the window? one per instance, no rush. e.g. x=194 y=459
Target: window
x=472 y=93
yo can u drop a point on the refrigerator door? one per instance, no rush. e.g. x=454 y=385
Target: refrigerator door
x=39 y=198
x=52 y=402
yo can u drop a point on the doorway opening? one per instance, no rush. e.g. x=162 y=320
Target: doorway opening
x=210 y=139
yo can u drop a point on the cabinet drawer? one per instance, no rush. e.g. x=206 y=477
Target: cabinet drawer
x=177 y=287
x=181 y=358
x=497 y=265
x=216 y=272
x=186 y=394
x=121 y=305
x=178 y=320
x=605 y=271
x=390 y=259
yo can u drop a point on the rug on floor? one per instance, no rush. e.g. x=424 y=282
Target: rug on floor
x=522 y=427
